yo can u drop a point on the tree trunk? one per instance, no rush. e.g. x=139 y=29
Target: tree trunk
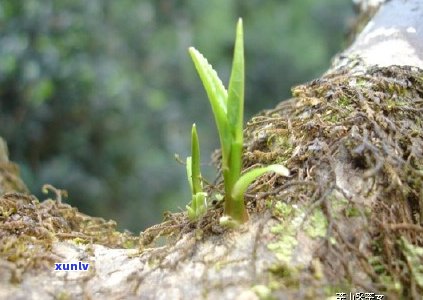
x=348 y=220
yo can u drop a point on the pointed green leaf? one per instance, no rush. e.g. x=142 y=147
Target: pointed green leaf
x=246 y=179
x=236 y=109
x=195 y=161
x=217 y=95
x=211 y=81
x=236 y=86
x=189 y=173
x=234 y=208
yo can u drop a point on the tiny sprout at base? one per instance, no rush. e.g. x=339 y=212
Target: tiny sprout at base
x=228 y=110
x=199 y=198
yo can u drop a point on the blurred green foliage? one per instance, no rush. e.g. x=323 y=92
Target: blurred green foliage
x=96 y=96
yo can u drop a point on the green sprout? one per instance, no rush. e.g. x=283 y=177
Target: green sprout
x=198 y=202
x=228 y=110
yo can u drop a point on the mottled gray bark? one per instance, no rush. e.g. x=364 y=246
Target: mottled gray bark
x=394 y=36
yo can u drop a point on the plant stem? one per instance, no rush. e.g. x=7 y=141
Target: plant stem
x=235 y=114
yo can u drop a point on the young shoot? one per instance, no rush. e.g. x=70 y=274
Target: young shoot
x=198 y=202
x=228 y=110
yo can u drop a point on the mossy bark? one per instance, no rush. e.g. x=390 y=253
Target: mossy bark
x=349 y=219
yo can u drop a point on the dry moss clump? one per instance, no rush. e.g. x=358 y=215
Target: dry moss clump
x=354 y=144
x=29 y=227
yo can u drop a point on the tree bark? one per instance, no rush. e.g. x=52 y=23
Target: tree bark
x=394 y=36
x=349 y=219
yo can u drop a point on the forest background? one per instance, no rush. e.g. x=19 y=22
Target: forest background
x=97 y=96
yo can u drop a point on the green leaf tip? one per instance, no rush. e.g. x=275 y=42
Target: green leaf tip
x=279 y=169
x=236 y=85
x=246 y=179
x=195 y=161
x=199 y=198
x=236 y=111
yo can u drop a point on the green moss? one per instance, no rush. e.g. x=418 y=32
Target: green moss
x=342 y=207
x=414 y=256
x=377 y=263
x=337 y=205
x=342 y=287
x=280 y=145
x=64 y=295
x=80 y=241
x=281 y=141
x=283 y=209
x=284 y=247
x=317 y=224
x=391 y=285
x=284 y=276
x=317 y=268
x=292 y=216
x=343 y=101
x=380 y=268
x=361 y=82
x=286 y=241
x=331 y=117
x=352 y=212
x=263 y=292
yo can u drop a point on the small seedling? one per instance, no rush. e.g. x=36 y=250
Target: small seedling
x=198 y=203
x=228 y=110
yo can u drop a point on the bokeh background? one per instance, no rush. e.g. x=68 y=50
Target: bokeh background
x=96 y=96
